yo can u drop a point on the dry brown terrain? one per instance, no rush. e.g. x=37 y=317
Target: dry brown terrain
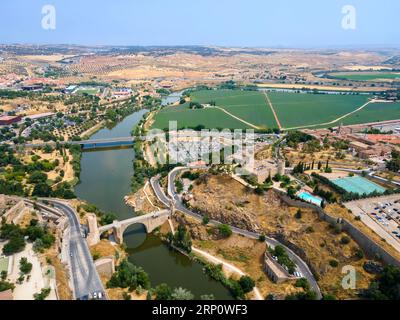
x=226 y=200
x=62 y=281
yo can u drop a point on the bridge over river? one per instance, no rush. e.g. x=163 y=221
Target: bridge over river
x=86 y=144
x=150 y=221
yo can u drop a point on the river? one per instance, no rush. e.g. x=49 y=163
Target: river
x=105 y=180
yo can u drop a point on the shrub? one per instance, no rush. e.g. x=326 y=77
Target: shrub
x=24 y=266
x=129 y=276
x=225 y=230
x=163 y=292
x=302 y=283
x=310 y=229
x=345 y=240
x=247 y=283
x=206 y=219
x=334 y=263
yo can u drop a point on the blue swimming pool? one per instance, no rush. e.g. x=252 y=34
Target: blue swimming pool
x=358 y=185
x=308 y=197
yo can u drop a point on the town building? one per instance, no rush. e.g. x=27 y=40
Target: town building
x=7 y=120
x=262 y=169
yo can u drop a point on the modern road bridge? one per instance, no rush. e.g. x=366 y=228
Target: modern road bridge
x=86 y=144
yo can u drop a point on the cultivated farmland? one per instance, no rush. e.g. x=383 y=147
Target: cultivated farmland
x=246 y=109
x=375 y=112
x=188 y=118
x=366 y=76
x=301 y=109
x=249 y=109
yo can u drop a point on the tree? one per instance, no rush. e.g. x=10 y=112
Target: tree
x=206 y=219
x=236 y=289
x=386 y=286
x=126 y=296
x=307 y=295
x=181 y=294
x=225 y=230
x=37 y=177
x=302 y=283
x=24 y=266
x=163 y=292
x=15 y=244
x=179 y=186
x=4 y=286
x=42 y=190
x=3 y=275
x=129 y=276
x=44 y=293
x=247 y=283
x=182 y=239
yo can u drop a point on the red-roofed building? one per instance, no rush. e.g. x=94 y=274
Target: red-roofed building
x=386 y=138
x=7 y=120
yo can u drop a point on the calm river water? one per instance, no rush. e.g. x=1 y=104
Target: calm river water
x=105 y=180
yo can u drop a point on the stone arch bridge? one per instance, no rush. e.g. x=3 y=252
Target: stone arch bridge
x=150 y=221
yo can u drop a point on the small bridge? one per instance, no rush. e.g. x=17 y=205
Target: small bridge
x=86 y=144
x=150 y=221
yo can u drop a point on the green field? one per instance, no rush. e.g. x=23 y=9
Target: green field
x=187 y=118
x=293 y=110
x=247 y=105
x=375 y=112
x=366 y=76
x=296 y=109
x=3 y=264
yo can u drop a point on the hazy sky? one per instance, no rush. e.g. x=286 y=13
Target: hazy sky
x=288 y=23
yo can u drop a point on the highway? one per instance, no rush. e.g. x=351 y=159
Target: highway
x=301 y=265
x=85 y=279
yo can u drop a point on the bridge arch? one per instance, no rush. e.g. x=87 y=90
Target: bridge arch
x=150 y=222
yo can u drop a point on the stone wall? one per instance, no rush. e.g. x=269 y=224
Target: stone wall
x=370 y=247
x=105 y=266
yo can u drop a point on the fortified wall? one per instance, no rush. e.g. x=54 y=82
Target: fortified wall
x=371 y=248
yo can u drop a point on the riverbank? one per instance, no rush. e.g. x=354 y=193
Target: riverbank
x=110 y=172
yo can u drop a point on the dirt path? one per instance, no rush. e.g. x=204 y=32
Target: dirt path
x=237 y=118
x=216 y=260
x=334 y=121
x=228 y=266
x=273 y=110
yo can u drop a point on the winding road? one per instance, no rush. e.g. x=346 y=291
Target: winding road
x=301 y=265
x=85 y=279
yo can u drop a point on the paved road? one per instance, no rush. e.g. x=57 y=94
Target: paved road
x=85 y=278
x=301 y=265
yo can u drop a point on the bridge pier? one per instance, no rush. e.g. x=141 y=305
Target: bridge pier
x=118 y=232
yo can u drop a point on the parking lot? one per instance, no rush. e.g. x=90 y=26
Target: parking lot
x=382 y=215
